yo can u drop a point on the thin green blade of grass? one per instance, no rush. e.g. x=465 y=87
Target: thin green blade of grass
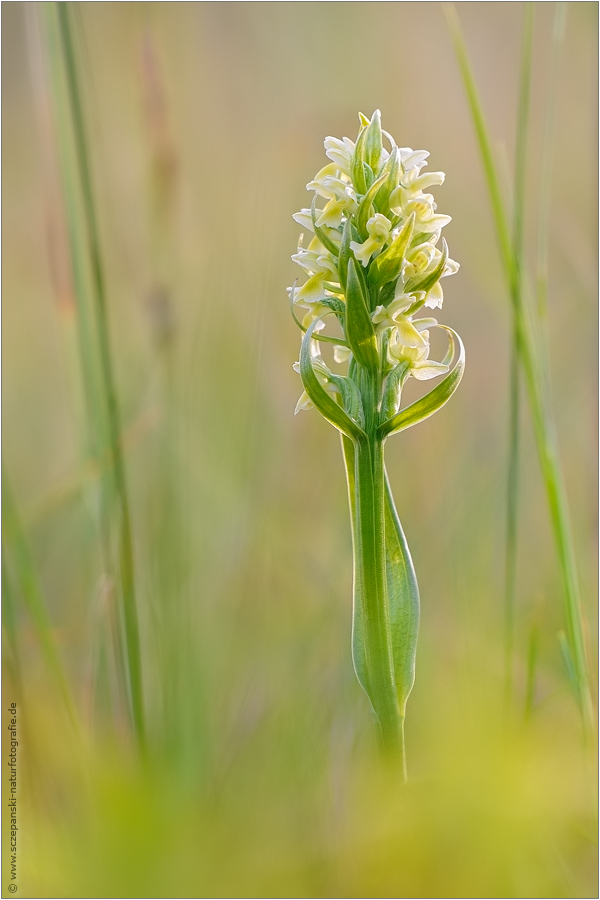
x=61 y=133
x=81 y=346
x=531 y=354
x=126 y=563
x=541 y=282
x=89 y=281
x=97 y=483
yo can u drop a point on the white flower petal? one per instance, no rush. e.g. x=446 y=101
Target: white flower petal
x=408 y=335
x=341 y=354
x=424 y=324
x=425 y=370
x=426 y=180
x=380 y=315
x=332 y=214
x=318 y=182
x=327 y=263
x=433 y=223
x=379 y=227
x=308 y=260
x=341 y=188
x=304 y=219
x=314 y=311
x=340 y=152
x=303 y=403
x=451 y=268
x=411 y=158
x=364 y=252
x=312 y=290
x=435 y=297
x=402 y=301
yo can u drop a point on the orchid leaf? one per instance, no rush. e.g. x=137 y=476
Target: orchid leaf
x=359 y=327
x=345 y=252
x=402 y=593
x=358 y=160
x=323 y=401
x=403 y=600
x=374 y=141
x=382 y=198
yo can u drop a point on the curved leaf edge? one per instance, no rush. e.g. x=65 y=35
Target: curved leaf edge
x=432 y=401
x=323 y=401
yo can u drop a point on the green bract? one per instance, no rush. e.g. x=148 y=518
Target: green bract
x=372 y=263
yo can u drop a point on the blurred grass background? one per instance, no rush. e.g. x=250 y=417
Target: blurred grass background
x=206 y=120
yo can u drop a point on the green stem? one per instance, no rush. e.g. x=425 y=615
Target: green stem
x=372 y=644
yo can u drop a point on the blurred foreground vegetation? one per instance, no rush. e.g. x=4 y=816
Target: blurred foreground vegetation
x=205 y=122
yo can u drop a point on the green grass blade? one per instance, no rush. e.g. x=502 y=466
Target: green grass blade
x=94 y=436
x=90 y=284
x=126 y=564
x=483 y=139
x=531 y=355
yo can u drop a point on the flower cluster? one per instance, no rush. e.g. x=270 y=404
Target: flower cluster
x=375 y=257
